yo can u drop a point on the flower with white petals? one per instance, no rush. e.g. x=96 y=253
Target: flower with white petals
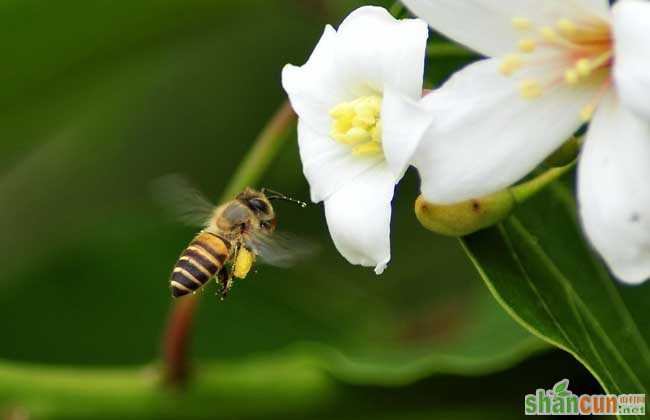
x=350 y=119
x=556 y=64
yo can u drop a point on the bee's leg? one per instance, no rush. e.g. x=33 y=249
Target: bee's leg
x=226 y=274
x=224 y=279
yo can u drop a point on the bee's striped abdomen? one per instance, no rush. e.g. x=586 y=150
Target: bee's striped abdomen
x=200 y=261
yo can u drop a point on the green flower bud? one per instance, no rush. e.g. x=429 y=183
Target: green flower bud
x=470 y=216
x=466 y=217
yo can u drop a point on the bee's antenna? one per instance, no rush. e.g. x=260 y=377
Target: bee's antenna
x=274 y=195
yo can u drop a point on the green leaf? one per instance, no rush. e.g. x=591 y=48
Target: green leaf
x=539 y=267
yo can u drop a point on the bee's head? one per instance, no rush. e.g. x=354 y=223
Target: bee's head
x=259 y=202
x=261 y=206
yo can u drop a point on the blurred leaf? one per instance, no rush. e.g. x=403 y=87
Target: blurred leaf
x=270 y=387
x=102 y=97
x=184 y=87
x=539 y=267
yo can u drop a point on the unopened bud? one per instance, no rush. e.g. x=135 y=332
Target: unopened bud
x=466 y=217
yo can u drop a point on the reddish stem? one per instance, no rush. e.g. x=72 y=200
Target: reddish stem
x=176 y=341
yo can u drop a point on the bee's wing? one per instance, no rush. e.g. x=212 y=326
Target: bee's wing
x=182 y=200
x=281 y=249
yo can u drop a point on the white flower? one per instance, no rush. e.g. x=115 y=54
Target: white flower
x=574 y=61
x=347 y=100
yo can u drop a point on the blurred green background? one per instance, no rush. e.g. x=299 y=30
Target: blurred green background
x=98 y=99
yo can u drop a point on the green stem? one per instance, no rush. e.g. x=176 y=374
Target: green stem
x=250 y=170
x=270 y=140
x=396 y=9
x=526 y=190
x=260 y=388
x=447 y=49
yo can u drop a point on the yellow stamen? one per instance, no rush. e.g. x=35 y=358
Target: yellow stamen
x=601 y=59
x=583 y=67
x=521 y=23
x=572 y=52
x=587 y=113
x=342 y=125
x=356 y=135
x=364 y=121
x=375 y=132
x=530 y=89
x=549 y=34
x=571 y=77
x=342 y=110
x=365 y=149
x=566 y=27
x=357 y=123
x=527 y=45
x=510 y=64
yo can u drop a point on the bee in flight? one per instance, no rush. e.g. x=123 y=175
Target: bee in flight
x=234 y=235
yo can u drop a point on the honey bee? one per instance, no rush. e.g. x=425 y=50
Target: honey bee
x=234 y=235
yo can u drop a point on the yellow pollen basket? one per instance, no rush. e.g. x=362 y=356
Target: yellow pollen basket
x=571 y=53
x=358 y=124
x=243 y=263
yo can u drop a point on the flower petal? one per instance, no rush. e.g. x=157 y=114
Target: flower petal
x=377 y=50
x=358 y=217
x=316 y=87
x=632 y=68
x=486 y=136
x=486 y=25
x=327 y=164
x=613 y=192
x=404 y=123
x=370 y=50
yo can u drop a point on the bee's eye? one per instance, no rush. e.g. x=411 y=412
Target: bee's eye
x=268 y=225
x=258 y=206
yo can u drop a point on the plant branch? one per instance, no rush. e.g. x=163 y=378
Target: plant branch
x=447 y=49
x=526 y=190
x=180 y=322
x=396 y=9
x=225 y=390
x=175 y=341
x=262 y=153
